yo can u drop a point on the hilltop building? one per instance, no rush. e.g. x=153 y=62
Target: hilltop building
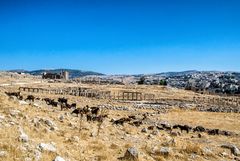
x=62 y=75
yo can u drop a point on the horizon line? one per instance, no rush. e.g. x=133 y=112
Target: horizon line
x=150 y=73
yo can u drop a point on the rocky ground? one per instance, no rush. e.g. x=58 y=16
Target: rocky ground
x=37 y=131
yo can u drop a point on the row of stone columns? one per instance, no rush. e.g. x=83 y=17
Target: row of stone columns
x=222 y=101
x=132 y=96
x=34 y=90
x=86 y=92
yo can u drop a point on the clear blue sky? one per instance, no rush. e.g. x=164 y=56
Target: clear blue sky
x=120 y=36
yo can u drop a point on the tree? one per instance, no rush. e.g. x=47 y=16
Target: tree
x=163 y=82
x=141 y=81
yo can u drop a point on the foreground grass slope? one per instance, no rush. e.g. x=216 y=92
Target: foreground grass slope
x=79 y=140
x=26 y=128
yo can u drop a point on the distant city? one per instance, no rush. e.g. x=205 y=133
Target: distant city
x=211 y=82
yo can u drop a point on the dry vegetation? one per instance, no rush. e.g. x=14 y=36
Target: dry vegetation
x=76 y=139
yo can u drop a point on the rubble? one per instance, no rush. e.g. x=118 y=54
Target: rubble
x=3 y=153
x=234 y=149
x=58 y=158
x=50 y=147
x=131 y=154
x=165 y=151
x=23 y=137
x=14 y=113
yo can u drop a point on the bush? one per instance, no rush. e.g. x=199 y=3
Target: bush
x=163 y=82
x=141 y=81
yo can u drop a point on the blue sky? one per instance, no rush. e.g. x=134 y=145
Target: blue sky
x=120 y=36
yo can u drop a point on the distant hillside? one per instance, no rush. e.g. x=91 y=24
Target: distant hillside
x=170 y=74
x=215 y=82
x=72 y=72
x=18 y=71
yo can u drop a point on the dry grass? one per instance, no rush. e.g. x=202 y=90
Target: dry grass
x=8 y=142
x=112 y=141
x=190 y=148
x=224 y=121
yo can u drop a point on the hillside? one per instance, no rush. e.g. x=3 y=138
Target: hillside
x=212 y=81
x=178 y=125
x=73 y=73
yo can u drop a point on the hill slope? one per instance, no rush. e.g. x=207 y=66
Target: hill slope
x=72 y=72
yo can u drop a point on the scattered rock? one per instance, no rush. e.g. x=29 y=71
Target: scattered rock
x=23 y=148
x=61 y=118
x=37 y=155
x=74 y=139
x=49 y=123
x=23 y=136
x=12 y=123
x=47 y=147
x=207 y=151
x=169 y=141
x=54 y=128
x=155 y=132
x=2 y=117
x=12 y=98
x=224 y=154
x=36 y=105
x=144 y=130
x=93 y=134
x=234 y=149
x=165 y=151
x=168 y=138
x=14 y=113
x=26 y=117
x=23 y=103
x=131 y=154
x=36 y=122
x=3 y=154
x=70 y=124
x=58 y=158
x=67 y=114
x=28 y=159
x=150 y=136
x=193 y=156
